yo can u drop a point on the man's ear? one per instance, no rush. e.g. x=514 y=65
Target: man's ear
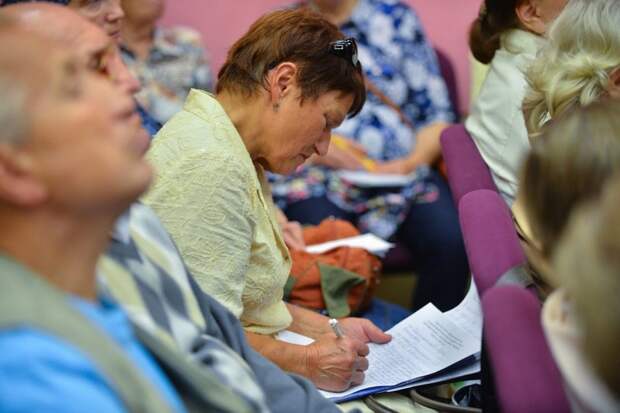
x=18 y=185
x=281 y=79
x=613 y=87
x=530 y=17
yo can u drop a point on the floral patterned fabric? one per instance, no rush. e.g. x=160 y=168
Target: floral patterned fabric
x=176 y=63
x=398 y=60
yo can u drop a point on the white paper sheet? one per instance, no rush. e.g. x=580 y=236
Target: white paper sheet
x=294 y=338
x=372 y=180
x=468 y=314
x=426 y=342
x=369 y=242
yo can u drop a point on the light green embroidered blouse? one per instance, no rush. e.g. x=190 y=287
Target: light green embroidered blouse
x=216 y=204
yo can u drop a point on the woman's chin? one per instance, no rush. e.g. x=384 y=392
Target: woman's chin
x=287 y=168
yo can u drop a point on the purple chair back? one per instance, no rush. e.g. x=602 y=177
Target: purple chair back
x=466 y=169
x=449 y=76
x=491 y=242
x=525 y=375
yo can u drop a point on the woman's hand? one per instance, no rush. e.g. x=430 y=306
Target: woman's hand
x=335 y=364
x=293 y=235
x=427 y=151
x=292 y=232
x=363 y=330
x=403 y=166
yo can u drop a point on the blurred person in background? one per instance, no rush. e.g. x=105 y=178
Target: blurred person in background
x=582 y=321
x=95 y=49
x=506 y=35
x=568 y=165
x=167 y=61
x=579 y=65
x=108 y=15
x=397 y=132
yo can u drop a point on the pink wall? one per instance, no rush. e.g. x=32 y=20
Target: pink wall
x=223 y=21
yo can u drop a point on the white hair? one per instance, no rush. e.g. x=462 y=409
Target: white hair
x=573 y=68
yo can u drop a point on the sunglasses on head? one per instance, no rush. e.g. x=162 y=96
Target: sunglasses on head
x=346 y=49
x=343 y=48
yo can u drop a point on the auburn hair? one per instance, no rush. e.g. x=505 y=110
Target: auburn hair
x=495 y=18
x=300 y=36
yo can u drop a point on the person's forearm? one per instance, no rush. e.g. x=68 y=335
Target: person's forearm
x=428 y=147
x=307 y=322
x=289 y=357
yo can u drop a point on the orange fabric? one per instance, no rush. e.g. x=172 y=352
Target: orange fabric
x=307 y=289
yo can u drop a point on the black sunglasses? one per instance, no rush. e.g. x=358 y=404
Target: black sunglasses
x=346 y=49
x=343 y=48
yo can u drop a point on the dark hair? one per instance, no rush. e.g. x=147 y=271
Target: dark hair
x=496 y=17
x=300 y=36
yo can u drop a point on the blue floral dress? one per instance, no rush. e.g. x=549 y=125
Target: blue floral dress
x=398 y=60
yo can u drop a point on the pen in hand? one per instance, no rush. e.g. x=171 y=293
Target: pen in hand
x=333 y=323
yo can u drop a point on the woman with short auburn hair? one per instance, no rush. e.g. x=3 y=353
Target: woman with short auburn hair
x=284 y=86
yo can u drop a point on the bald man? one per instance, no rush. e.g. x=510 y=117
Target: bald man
x=62 y=348
x=143 y=270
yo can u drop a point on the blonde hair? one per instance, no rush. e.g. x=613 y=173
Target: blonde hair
x=573 y=68
x=568 y=165
x=588 y=262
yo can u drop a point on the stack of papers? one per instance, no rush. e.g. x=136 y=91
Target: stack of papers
x=371 y=180
x=427 y=347
x=369 y=242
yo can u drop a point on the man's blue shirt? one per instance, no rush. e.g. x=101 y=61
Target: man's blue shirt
x=43 y=373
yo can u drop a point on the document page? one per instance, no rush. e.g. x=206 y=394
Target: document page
x=472 y=368
x=293 y=338
x=468 y=314
x=372 y=180
x=426 y=342
x=369 y=242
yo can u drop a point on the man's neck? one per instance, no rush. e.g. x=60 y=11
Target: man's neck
x=63 y=250
x=138 y=38
x=337 y=12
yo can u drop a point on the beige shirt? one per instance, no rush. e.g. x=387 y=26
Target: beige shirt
x=216 y=204
x=496 y=123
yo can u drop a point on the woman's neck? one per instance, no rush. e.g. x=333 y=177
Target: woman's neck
x=337 y=12
x=246 y=116
x=63 y=250
x=138 y=38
